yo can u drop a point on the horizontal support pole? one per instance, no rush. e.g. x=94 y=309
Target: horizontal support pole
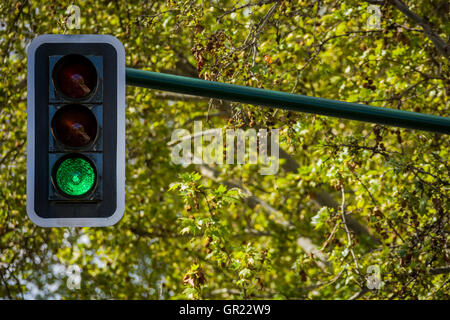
x=287 y=101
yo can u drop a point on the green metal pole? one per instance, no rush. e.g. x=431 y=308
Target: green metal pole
x=287 y=101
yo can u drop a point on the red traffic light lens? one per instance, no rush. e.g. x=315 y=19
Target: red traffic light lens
x=75 y=76
x=74 y=126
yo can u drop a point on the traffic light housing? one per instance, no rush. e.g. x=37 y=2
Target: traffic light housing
x=76 y=130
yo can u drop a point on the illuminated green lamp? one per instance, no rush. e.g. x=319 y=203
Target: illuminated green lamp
x=75 y=176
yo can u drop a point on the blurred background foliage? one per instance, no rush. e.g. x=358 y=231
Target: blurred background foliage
x=349 y=197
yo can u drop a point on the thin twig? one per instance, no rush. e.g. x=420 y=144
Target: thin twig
x=347 y=231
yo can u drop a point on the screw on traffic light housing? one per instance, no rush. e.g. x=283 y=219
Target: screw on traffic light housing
x=76 y=130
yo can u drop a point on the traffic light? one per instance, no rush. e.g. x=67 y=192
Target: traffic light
x=76 y=130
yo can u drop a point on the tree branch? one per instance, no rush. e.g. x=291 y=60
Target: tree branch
x=178 y=97
x=251 y=200
x=440 y=44
x=439 y=270
x=359 y=294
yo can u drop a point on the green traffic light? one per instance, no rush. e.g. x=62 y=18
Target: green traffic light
x=75 y=176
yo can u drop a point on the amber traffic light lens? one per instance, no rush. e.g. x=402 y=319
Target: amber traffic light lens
x=75 y=76
x=74 y=126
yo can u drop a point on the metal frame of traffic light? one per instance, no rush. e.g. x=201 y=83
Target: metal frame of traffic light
x=103 y=156
x=40 y=180
x=287 y=101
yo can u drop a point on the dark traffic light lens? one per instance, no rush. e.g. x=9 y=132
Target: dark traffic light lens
x=74 y=175
x=75 y=76
x=74 y=126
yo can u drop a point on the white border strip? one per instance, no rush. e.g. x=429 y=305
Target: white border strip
x=120 y=164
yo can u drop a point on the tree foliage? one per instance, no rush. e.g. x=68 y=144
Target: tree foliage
x=349 y=196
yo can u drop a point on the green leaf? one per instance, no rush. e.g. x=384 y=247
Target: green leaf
x=320 y=218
